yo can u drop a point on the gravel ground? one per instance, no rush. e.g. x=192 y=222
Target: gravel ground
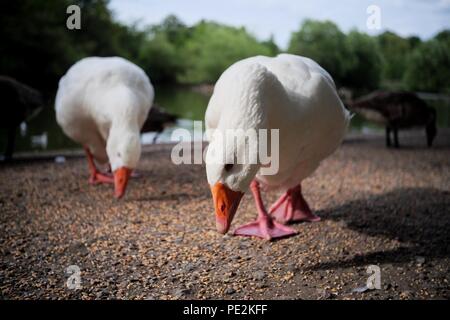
x=384 y=207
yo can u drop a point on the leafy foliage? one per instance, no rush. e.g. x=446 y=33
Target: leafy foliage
x=394 y=50
x=212 y=47
x=365 y=66
x=324 y=43
x=37 y=48
x=429 y=66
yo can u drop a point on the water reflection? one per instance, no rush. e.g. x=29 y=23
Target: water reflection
x=44 y=133
x=183 y=102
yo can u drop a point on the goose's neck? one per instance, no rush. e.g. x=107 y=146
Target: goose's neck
x=117 y=106
x=124 y=121
x=121 y=104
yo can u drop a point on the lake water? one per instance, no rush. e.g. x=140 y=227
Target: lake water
x=43 y=133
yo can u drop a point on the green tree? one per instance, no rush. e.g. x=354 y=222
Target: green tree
x=395 y=51
x=365 y=65
x=160 y=59
x=213 y=47
x=414 y=42
x=38 y=48
x=174 y=29
x=272 y=46
x=428 y=66
x=323 y=42
x=35 y=46
x=162 y=51
x=443 y=36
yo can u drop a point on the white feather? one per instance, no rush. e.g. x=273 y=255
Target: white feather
x=102 y=103
x=290 y=93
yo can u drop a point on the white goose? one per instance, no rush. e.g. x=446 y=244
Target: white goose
x=102 y=104
x=290 y=93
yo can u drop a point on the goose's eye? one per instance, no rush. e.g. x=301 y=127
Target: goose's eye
x=228 y=167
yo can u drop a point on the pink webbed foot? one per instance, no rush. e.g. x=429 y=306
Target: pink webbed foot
x=265 y=228
x=98 y=177
x=292 y=207
x=95 y=176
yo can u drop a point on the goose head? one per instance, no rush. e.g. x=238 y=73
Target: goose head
x=228 y=181
x=124 y=150
x=232 y=154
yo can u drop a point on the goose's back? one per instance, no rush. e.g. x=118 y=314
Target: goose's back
x=316 y=121
x=86 y=93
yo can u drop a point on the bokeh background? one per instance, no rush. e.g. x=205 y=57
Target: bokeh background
x=388 y=207
x=185 y=45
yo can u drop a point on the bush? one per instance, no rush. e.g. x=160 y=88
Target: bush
x=364 y=71
x=428 y=67
x=324 y=43
x=213 y=47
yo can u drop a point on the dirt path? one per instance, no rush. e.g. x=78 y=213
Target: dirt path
x=389 y=208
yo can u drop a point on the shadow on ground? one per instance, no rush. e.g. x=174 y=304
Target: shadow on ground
x=417 y=217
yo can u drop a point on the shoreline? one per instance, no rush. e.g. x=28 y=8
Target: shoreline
x=411 y=137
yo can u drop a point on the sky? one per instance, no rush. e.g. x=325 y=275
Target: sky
x=279 y=18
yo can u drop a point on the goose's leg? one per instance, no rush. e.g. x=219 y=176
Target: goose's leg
x=11 y=143
x=396 y=137
x=292 y=207
x=95 y=175
x=264 y=226
x=155 y=138
x=388 y=136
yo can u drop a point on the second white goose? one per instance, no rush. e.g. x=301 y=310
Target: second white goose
x=102 y=104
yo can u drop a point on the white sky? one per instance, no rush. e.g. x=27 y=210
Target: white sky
x=280 y=17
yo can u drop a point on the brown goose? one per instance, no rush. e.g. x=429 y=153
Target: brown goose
x=19 y=103
x=397 y=110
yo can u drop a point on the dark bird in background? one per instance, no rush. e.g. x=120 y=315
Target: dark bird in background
x=19 y=103
x=157 y=120
x=397 y=110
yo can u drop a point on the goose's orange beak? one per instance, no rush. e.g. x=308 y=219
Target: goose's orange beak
x=226 y=202
x=121 y=177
